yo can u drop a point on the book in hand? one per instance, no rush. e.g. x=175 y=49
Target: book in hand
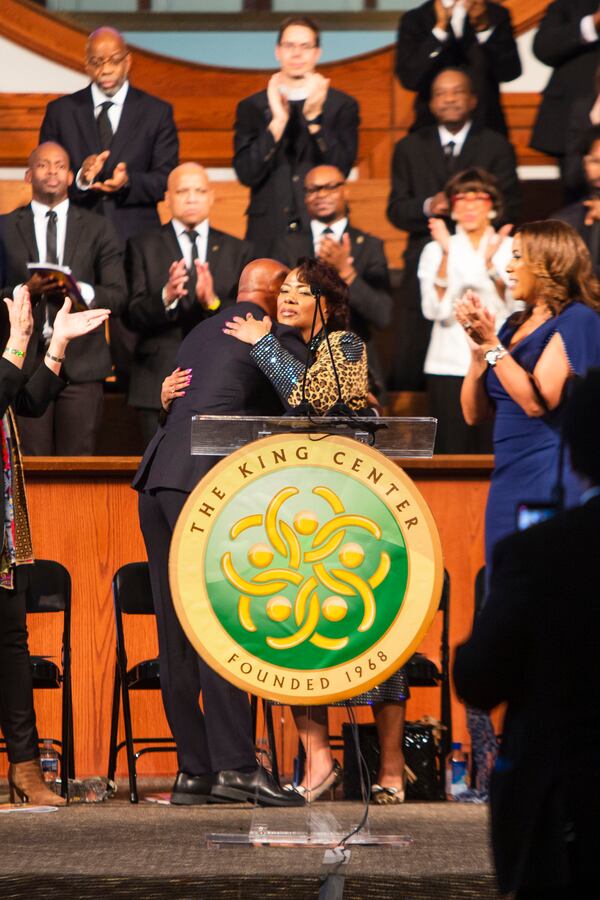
x=64 y=279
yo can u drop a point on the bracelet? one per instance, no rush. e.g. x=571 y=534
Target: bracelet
x=441 y=282
x=56 y=359
x=15 y=352
x=215 y=304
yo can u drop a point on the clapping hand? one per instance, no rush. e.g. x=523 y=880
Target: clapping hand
x=494 y=243
x=205 y=294
x=20 y=316
x=443 y=15
x=248 y=330
x=478 y=322
x=175 y=286
x=477 y=11
x=68 y=326
x=174 y=386
x=317 y=86
x=92 y=166
x=593 y=210
x=118 y=180
x=337 y=254
x=278 y=102
x=439 y=232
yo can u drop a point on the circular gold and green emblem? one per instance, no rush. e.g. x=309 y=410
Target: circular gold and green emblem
x=304 y=569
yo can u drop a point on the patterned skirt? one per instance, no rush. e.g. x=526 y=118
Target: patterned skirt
x=393 y=690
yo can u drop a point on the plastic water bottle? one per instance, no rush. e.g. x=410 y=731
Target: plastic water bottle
x=49 y=763
x=456 y=772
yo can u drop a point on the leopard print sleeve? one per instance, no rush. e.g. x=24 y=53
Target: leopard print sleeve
x=350 y=357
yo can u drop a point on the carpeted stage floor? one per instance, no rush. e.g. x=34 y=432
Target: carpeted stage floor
x=153 y=852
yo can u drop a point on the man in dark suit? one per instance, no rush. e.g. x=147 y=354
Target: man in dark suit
x=297 y=123
x=475 y=34
x=52 y=229
x=122 y=143
x=567 y=40
x=215 y=751
x=535 y=646
x=178 y=275
x=421 y=165
x=584 y=215
x=357 y=256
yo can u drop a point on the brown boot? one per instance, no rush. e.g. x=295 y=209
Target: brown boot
x=27 y=784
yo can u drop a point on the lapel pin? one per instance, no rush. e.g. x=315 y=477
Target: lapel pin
x=360 y=239
x=214 y=248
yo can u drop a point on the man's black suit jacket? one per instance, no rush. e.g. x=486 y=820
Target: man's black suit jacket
x=146 y=140
x=147 y=260
x=93 y=253
x=558 y=43
x=275 y=172
x=370 y=292
x=225 y=379
x=574 y=215
x=420 y=57
x=535 y=646
x=420 y=170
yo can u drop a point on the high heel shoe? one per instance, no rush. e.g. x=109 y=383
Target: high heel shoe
x=330 y=782
x=27 y=785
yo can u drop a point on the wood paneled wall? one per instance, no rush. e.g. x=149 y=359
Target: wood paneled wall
x=84 y=514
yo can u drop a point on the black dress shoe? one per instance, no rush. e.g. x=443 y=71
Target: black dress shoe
x=255 y=787
x=191 y=790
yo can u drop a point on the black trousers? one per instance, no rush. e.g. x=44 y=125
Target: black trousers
x=70 y=425
x=221 y=738
x=453 y=435
x=17 y=716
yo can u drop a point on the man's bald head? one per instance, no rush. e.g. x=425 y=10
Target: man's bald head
x=49 y=174
x=260 y=282
x=325 y=195
x=107 y=59
x=189 y=194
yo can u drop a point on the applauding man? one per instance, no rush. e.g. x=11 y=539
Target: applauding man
x=281 y=133
x=178 y=274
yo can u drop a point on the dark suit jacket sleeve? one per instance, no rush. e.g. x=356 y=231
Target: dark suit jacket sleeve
x=27 y=397
x=559 y=36
x=109 y=283
x=337 y=138
x=370 y=292
x=146 y=188
x=146 y=310
x=417 y=49
x=50 y=130
x=489 y=667
x=500 y=49
x=254 y=145
x=405 y=210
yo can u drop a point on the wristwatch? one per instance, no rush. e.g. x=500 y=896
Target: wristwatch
x=492 y=356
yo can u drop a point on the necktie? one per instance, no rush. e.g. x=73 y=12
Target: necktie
x=449 y=154
x=193 y=278
x=51 y=249
x=327 y=230
x=104 y=126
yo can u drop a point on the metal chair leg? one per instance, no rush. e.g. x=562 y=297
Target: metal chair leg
x=114 y=724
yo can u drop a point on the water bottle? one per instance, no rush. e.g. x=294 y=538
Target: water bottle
x=49 y=764
x=456 y=772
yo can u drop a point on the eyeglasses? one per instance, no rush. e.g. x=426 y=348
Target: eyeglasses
x=471 y=195
x=114 y=60
x=304 y=48
x=327 y=188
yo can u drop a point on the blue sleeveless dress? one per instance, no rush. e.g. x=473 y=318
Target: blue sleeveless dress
x=526 y=449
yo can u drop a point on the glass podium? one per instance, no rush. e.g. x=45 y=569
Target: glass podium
x=319 y=824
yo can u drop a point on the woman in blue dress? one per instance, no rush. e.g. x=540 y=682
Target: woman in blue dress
x=519 y=377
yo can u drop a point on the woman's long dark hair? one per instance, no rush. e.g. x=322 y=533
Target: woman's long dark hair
x=561 y=264
x=334 y=291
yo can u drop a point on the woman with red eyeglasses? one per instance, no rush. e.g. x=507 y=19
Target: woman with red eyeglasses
x=474 y=257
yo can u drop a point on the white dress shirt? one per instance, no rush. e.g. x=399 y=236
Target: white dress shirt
x=448 y=352
x=186 y=247
x=338 y=228
x=114 y=115
x=457 y=21
x=589 y=34
x=40 y=225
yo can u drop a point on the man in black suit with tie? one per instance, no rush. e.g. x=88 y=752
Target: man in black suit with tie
x=122 y=143
x=535 y=647
x=422 y=163
x=215 y=750
x=52 y=229
x=584 y=215
x=568 y=39
x=476 y=34
x=297 y=123
x=178 y=275
x=358 y=258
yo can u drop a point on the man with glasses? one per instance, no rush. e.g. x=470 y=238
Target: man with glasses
x=298 y=122
x=122 y=144
x=584 y=215
x=357 y=256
